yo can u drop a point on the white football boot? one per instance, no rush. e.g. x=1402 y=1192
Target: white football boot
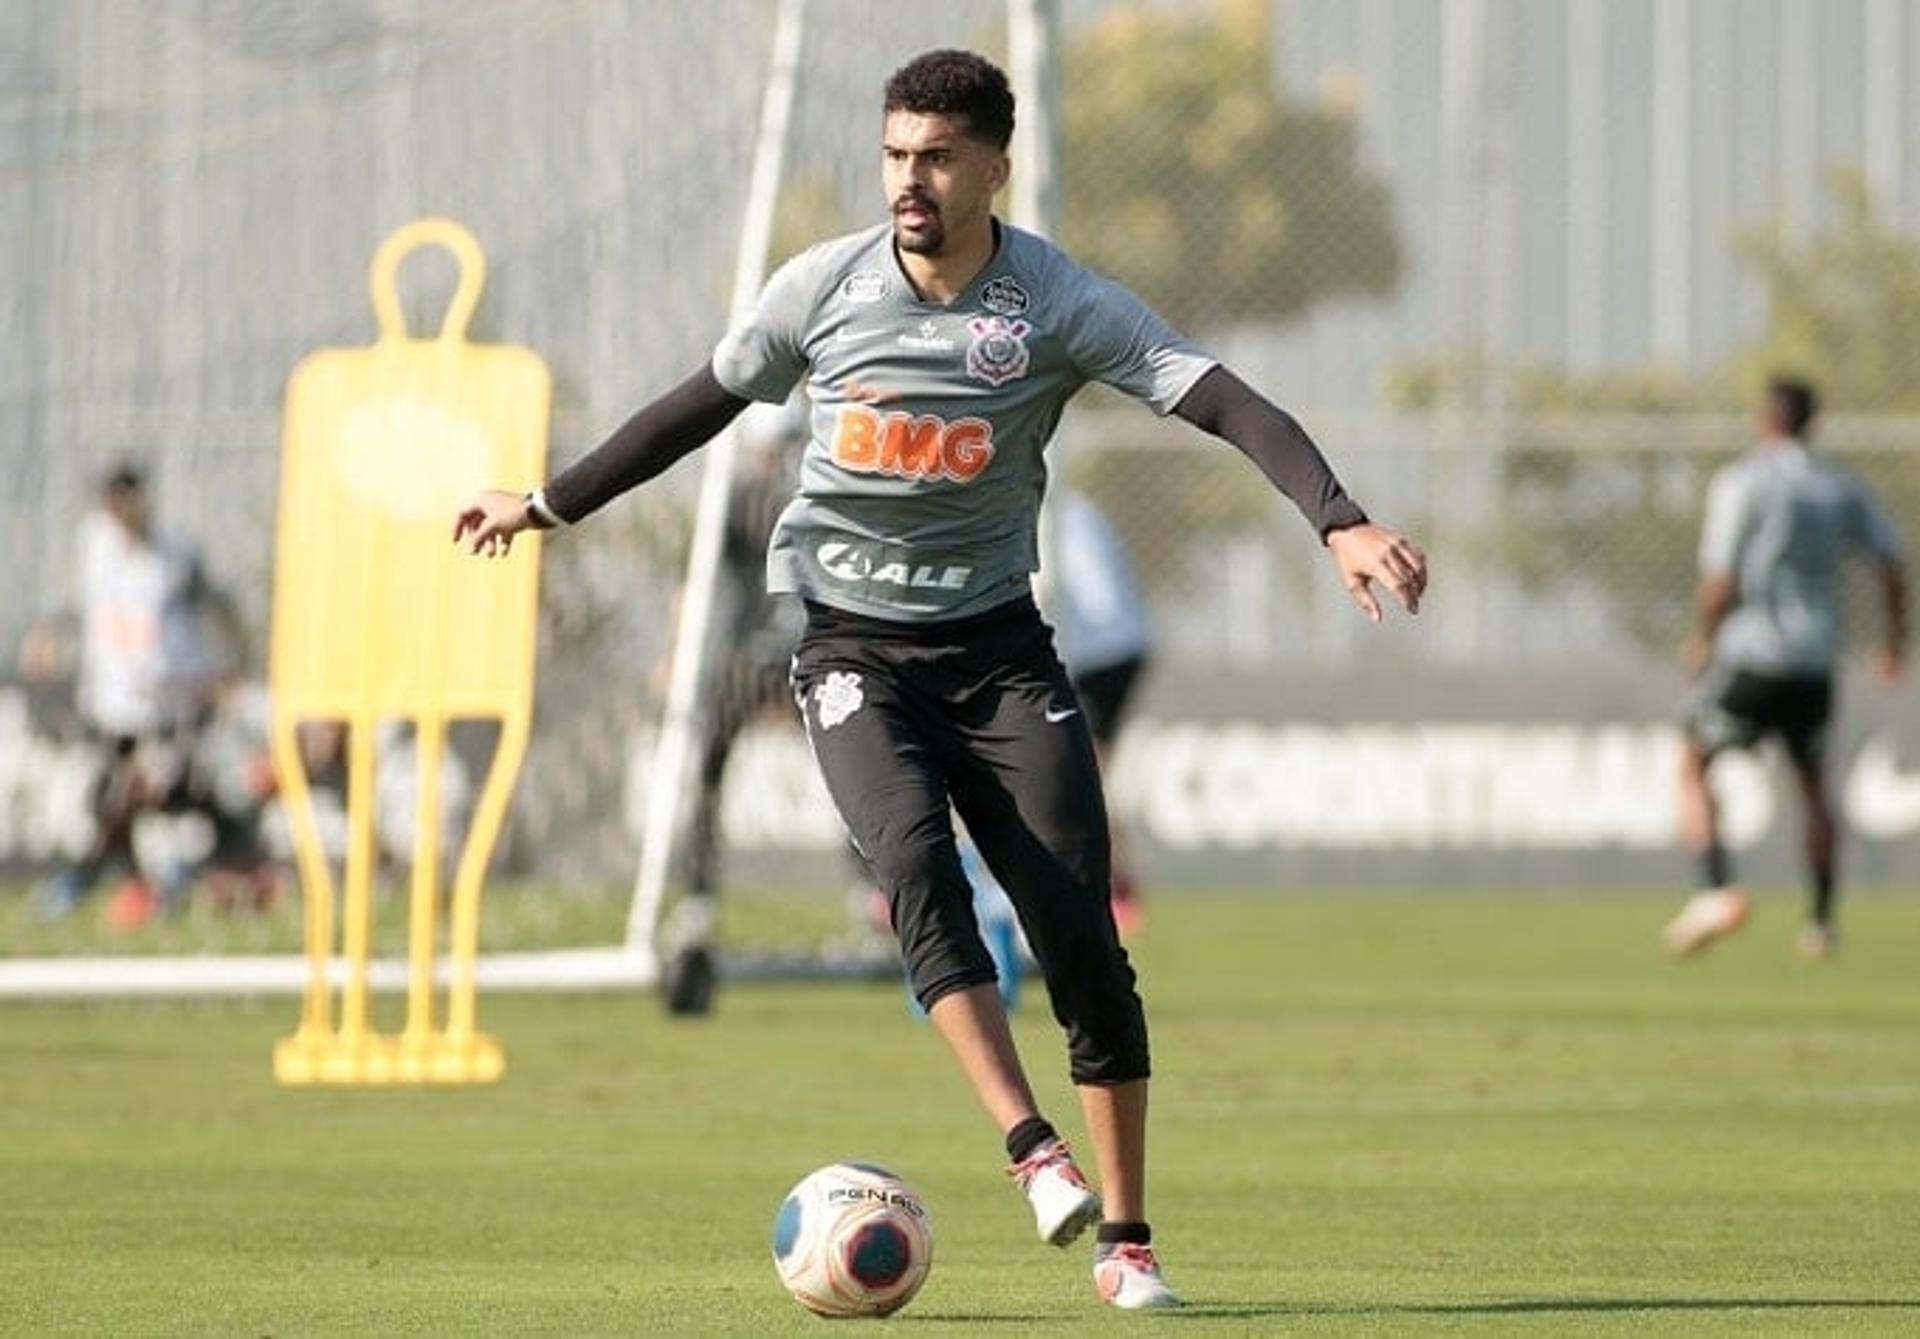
x=1815 y=942
x=1064 y=1205
x=1708 y=916
x=1127 y=1275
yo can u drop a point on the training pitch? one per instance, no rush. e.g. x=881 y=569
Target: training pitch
x=1373 y=1112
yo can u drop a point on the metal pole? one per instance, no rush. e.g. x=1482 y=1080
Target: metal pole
x=1033 y=28
x=666 y=783
x=1586 y=329
x=1464 y=208
x=1499 y=151
x=1885 y=97
x=1798 y=59
x=1462 y=64
x=1671 y=195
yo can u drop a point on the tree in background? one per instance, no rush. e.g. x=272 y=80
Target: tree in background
x=1191 y=180
x=1843 y=310
x=1187 y=176
x=1843 y=307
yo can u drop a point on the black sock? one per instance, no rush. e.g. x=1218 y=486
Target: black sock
x=1028 y=1135
x=1108 y=1234
x=1823 y=897
x=1716 y=871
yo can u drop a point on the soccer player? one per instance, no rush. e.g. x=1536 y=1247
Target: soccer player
x=1099 y=619
x=148 y=670
x=759 y=631
x=938 y=351
x=1780 y=522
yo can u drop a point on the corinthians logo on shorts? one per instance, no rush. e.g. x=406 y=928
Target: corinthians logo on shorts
x=998 y=353
x=838 y=698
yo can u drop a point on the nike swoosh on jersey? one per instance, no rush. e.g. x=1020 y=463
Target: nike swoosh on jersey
x=1054 y=716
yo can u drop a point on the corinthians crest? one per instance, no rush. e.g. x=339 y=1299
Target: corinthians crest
x=838 y=698
x=998 y=353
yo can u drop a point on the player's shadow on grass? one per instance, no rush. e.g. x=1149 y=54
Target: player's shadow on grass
x=1524 y=1306
x=1547 y=1305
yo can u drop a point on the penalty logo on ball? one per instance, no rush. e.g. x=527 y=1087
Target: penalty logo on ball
x=852 y=1239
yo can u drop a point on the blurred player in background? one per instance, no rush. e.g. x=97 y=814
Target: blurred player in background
x=757 y=628
x=938 y=351
x=756 y=633
x=1780 y=523
x=1099 y=620
x=149 y=663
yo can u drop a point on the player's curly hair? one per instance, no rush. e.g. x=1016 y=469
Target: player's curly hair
x=956 y=83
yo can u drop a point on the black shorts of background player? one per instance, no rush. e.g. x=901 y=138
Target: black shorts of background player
x=1737 y=710
x=1740 y=710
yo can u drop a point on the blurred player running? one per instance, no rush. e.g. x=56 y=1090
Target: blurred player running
x=938 y=351
x=1780 y=523
x=1099 y=619
x=758 y=632
x=148 y=671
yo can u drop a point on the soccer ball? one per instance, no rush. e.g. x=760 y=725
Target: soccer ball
x=852 y=1240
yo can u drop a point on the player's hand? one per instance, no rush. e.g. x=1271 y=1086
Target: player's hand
x=489 y=522
x=1696 y=653
x=1889 y=663
x=1369 y=553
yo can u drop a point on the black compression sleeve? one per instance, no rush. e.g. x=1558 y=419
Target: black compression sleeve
x=669 y=428
x=1224 y=405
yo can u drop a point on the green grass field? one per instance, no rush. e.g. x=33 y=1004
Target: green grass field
x=1374 y=1113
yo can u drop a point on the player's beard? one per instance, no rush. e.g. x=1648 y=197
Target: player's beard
x=929 y=239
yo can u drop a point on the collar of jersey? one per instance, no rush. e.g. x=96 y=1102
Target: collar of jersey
x=993 y=259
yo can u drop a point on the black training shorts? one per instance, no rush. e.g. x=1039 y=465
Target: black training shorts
x=1736 y=709
x=977 y=714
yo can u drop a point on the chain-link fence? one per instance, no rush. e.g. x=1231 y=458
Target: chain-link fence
x=1491 y=251
x=1523 y=267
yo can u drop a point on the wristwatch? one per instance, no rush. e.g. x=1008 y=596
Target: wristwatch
x=539 y=512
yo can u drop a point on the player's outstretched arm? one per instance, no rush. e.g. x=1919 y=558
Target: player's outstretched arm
x=1364 y=552
x=669 y=428
x=1892 y=660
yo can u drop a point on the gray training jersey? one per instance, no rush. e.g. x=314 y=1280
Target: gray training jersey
x=920 y=486
x=1781 y=521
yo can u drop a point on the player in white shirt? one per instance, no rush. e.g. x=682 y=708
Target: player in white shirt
x=146 y=674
